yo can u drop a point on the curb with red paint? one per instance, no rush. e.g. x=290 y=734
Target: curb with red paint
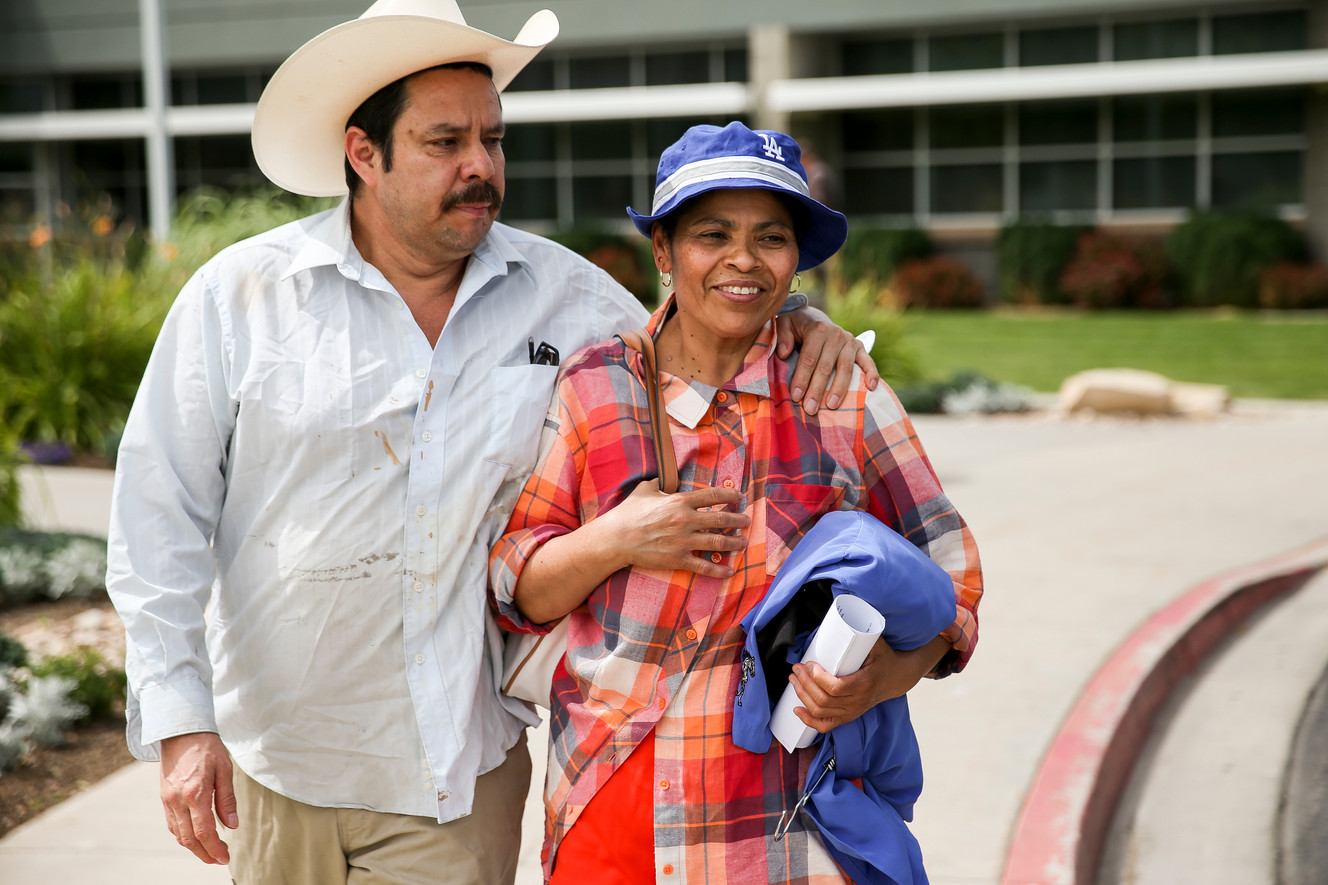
x=1061 y=828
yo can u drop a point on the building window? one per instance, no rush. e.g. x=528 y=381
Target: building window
x=1260 y=32
x=1065 y=185
x=880 y=191
x=735 y=65
x=671 y=68
x=1258 y=112
x=967 y=126
x=1058 y=46
x=861 y=58
x=967 y=189
x=1172 y=38
x=534 y=77
x=92 y=93
x=1154 y=117
x=220 y=161
x=23 y=97
x=1153 y=183
x=966 y=52
x=887 y=130
x=602 y=197
x=601 y=141
x=1258 y=179
x=530 y=143
x=600 y=72
x=1058 y=122
x=531 y=199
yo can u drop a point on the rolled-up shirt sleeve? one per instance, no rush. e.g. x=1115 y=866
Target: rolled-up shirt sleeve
x=904 y=487
x=548 y=507
x=169 y=489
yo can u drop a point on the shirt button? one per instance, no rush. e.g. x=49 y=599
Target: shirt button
x=420 y=373
x=728 y=483
x=668 y=869
x=426 y=436
x=691 y=634
x=664 y=785
x=663 y=702
x=716 y=556
x=420 y=511
x=419 y=659
x=722 y=397
x=417 y=586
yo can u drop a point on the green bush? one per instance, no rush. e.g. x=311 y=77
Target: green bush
x=626 y=259
x=874 y=254
x=72 y=352
x=50 y=565
x=858 y=311
x=97 y=685
x=11 y=456
x=1111 y=272
x=1031 y=257
x=12 y=653
x=1217 y=257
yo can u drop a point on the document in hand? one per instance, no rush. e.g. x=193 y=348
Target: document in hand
x=840 y=645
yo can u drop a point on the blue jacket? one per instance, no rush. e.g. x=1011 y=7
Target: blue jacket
x=864 y=829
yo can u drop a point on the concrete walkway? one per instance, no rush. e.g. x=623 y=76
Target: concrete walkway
x=1087 y=529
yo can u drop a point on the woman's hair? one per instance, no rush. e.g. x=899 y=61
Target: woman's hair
x=801 y=217
x=377 y=115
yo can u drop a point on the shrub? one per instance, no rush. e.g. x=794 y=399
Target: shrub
x=964 y=393
x=1217 y=257
x=12 y=653
x=72 y=353
x=50 y=565
x=858 y=310
x=625 y=259
x=95 y=684
x=44 y=710
x=11 y=456
x=874 y=254
x=937 y=282
x=1031 y=257
x=1290 y=286
x=13 y=744
x=1110 y=271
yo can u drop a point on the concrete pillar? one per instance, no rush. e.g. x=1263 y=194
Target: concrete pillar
x=1316 y=131
x=769 y=59
x=157 y=96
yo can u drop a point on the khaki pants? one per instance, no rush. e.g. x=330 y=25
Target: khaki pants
x=284 y=842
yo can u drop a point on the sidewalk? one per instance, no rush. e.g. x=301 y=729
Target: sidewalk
x=1087 y=528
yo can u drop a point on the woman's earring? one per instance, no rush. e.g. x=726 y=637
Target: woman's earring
x=797 y=283
x=666 y=279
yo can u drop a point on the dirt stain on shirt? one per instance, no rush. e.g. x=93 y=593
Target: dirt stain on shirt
x=387 y=447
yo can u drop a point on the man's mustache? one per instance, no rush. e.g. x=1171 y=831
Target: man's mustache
x=474 y=193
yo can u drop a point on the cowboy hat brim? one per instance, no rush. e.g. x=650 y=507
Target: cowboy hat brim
x=300 y=121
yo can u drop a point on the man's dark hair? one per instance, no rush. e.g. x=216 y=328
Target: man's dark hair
x=377 y=115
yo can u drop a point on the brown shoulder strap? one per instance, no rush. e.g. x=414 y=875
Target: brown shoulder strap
x=642 y=343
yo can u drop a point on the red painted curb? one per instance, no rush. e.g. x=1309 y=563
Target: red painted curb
x=1059 y=834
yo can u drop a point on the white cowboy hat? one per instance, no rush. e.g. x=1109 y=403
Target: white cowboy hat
x=300 y=122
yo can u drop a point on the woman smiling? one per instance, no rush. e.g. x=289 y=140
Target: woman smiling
x=645 y=783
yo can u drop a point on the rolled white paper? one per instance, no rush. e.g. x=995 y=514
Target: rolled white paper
x=840 y=645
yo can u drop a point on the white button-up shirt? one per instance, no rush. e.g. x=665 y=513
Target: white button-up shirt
x=304 y=467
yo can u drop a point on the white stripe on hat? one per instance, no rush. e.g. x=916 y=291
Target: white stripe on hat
x=720 y=168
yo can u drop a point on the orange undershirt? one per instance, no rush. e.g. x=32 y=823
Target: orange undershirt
x=613 y=841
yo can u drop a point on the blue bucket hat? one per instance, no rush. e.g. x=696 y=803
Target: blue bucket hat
x=709 y=158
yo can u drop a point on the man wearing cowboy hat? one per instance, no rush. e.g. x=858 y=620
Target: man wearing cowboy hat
x=330 y=435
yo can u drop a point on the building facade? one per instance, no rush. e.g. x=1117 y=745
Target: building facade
x=956 y=115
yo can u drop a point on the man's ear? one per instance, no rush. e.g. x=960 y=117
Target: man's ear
x=364 y=156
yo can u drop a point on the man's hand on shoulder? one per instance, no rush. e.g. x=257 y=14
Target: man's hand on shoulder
x=827 y=356
x=196 y=778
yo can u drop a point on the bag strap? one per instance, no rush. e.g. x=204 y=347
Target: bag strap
x=642 y=343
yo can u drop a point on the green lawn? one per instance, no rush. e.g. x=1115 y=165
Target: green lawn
x=1254 y=354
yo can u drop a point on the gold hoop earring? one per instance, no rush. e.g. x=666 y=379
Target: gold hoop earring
x=666 y=279
x=797 y=283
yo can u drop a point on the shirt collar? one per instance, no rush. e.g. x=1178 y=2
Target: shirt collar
x=687 y=401
x=328 y=243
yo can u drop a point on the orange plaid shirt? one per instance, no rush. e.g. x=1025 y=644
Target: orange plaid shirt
x=658 y=650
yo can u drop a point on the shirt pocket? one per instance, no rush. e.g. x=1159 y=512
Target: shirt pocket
x=518 y=402
x=790 y=512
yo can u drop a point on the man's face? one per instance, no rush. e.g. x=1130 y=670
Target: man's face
x=446 y=184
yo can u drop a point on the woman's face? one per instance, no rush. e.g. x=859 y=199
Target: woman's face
x=732 y=257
